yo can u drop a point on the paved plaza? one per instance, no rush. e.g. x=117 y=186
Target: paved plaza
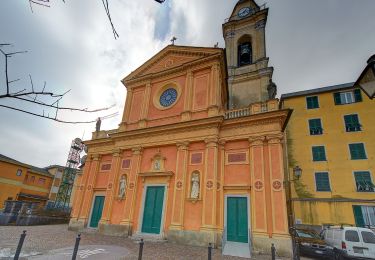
x=56 y=242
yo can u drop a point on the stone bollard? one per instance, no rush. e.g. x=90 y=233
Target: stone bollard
x=273 y=252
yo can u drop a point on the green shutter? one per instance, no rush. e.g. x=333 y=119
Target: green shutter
x=312 y=102
x=319 y=153
x=352 y=123
x=336 y=97
x=358 y=216
x=357 y=95
x=364 y=182
x=357 y=151
x=322 y=181
x=315 y=126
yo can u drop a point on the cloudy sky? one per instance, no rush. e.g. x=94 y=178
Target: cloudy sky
x=71 y=46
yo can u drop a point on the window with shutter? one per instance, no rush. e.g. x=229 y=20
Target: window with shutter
x=347 y=97
x=352 y=123
x=364 y=182
x=357 y=151
x=315 y=126
x=319 y=153
x=312 y=102
x=322 y=181
x=358 y=216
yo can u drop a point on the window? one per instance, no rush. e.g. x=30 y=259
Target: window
x=364 y=216
x=357 y=151
x=368 y=237
x=41 y=181
x=352 y=123
x=363 y=182
x=19 y=172
x=347 y=97
x=322 y=181
x=245 y=54
x=125 y=164
x=352 y=236
x=319 y=153
x=315 y=126
x=312 y=102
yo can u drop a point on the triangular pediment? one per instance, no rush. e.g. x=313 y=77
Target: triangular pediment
x=171 y=57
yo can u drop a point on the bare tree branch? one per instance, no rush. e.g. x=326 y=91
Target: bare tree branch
x=33 y=96
x=106 y=8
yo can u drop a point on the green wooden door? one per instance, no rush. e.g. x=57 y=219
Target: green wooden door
x=153 y=210
x=97 y=211
x=237 y=219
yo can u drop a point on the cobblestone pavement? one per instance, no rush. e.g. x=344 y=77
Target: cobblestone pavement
x=43 y=239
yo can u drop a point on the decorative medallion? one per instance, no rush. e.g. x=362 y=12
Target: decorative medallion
x=81 y=187
x=168 y=97
x=258 y=185
x=131 y=185
x=89 y=187
x=110 y=186
x=179 y=185
x=277 y=185
x=209 y=184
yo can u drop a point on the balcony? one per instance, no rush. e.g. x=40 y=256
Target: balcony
x=256 y=108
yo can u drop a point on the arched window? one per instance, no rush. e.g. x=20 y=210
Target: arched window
x=245 y=51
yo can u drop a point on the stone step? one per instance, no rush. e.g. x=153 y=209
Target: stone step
x=148 y=237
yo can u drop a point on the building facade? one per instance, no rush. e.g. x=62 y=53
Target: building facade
x=23 y=182
x=331 y=137
x=198 y=156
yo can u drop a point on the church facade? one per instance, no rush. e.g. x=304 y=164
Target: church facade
x=198 y=156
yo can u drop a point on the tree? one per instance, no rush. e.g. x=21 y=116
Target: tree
x=40 y=98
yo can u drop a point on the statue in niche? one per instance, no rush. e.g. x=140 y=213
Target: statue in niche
x=194 y=186
x=272 y=89
x=157 y=165
x=122 y=187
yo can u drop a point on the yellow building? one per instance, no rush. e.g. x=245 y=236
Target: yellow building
x=331 y=137
x=23 y=182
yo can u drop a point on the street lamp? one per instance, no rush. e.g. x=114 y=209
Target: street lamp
x=297 y=172
x=367 y=79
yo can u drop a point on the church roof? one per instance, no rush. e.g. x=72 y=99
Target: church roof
x=172 y=56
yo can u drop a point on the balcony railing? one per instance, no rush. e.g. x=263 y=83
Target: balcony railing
x=256 y=108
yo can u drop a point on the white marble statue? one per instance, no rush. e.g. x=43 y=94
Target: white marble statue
x=194 y=186
x=122 y=187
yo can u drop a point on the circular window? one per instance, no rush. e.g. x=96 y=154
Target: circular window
x=168 y=97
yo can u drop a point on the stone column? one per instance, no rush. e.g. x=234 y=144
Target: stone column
x=111 y=187
x=132 y=190
x=209 y=185
x=180 y=186
x=86 y=205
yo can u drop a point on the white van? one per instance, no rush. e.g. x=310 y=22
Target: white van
x=351 y=242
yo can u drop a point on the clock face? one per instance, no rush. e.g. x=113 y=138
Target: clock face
x=244 y=12
x=168 y=97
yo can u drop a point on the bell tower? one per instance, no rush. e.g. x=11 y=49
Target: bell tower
x=249 y=77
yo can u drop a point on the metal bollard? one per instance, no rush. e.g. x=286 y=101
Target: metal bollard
x=297 y=257
x=140 y=249
x=209 y=251
x=273 y=252
x=75 y=251
x=19 y=247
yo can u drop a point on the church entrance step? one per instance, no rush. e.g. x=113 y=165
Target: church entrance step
x=148 y=237
x=237 y=249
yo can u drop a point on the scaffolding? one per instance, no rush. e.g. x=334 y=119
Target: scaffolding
x=67 y=180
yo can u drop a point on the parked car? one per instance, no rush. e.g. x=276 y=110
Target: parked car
x=351 y=242
x=310 y=244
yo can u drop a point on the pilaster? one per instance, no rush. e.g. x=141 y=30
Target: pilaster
x=111 y=186
x=89 y=188
x=186 y=114
x=209 y=185
x=180 y=186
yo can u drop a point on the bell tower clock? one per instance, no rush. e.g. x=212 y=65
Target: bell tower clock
x=249 y=77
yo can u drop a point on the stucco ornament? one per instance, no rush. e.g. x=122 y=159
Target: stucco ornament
x=194 y=186
x=122 y=187
x=157 y=165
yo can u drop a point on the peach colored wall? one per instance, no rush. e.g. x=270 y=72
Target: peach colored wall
x=136 y=105
x=200 y=89
x=117 y=211
x=102 y=180
x=176 y=109
x=193 y=216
